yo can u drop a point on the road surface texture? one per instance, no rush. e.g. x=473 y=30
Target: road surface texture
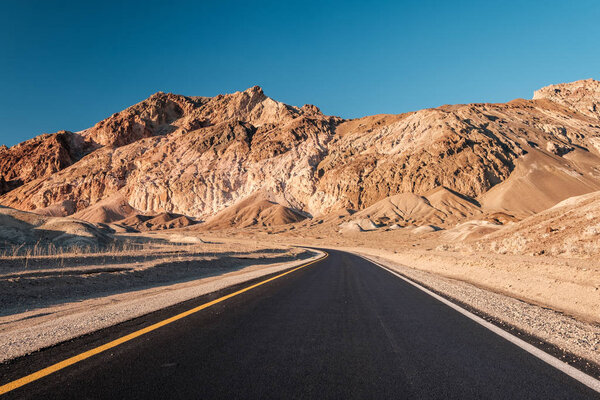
x=340 y=328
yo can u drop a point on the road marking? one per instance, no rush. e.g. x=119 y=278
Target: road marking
x=80 y=357
x=573 y=372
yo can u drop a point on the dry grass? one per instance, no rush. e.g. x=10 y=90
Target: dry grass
x=58 y=255
x=40 y=276
x=127 y=249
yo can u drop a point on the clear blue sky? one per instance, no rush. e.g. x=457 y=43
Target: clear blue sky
x=69 y=64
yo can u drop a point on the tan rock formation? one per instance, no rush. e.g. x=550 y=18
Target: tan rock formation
x=582 y=96
x=111 y=209
x=39 y=157
x=18 y=228
x=439 y=207
x=570 y=228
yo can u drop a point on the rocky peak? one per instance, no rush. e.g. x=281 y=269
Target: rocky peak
x=163 y=113
x=310 y=109
x=582 y=96
x=145 y=119
x=255 y=90
x=251 y=106
x=39 y=157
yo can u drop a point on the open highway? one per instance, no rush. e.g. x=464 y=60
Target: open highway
x=338 y=328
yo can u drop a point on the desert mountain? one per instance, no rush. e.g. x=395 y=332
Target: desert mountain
x=225 y=149
x=39 y=157
x=197 y=156
x=581 y=96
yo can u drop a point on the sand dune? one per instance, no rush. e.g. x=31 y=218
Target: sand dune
x=157 y=222
x=403 y=207
x=61 y=209
x=470 y=230
x=134 y=220
x=454 y=205
x=539 y=181
x=167 y=221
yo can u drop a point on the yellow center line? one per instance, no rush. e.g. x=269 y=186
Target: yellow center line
x=80 y=357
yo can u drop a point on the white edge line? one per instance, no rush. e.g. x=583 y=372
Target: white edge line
x=571 y=371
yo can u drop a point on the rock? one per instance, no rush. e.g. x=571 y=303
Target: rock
x=39 y=158
x=558 y=148
x=581 y=96
x=19 y=228
x=197 y=156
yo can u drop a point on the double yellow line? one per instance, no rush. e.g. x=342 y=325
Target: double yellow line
x=80 y=357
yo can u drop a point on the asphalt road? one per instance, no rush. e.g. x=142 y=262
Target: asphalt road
x=340 y=328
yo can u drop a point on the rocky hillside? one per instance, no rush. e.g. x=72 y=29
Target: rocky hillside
x=570 y=228
x=581 y=96
x=40 y=157
x=199 y=155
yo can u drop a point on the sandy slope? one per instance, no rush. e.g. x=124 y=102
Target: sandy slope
x=569 y=229
x=257 y=209
x=441 y=206
x=540 y=181
x=110 y=209
x=24 y=230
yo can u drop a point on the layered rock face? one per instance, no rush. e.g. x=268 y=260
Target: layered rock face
x=39 y=157
x=582 y=96
x=198 y=155
x=467 y=148
x=220 y=150
x=151 y=117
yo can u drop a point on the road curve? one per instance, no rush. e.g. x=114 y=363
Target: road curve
x=339 y=328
